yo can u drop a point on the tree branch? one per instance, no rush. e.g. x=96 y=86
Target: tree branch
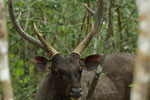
x=89 y=10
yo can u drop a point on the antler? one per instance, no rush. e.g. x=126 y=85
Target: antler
x=43 y=44
x=94 y=30
x=49 y=48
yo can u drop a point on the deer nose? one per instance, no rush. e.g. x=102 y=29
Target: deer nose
x=76 y=91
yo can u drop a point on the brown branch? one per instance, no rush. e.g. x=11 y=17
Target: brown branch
x=129 y=19
x=89 y=10
x=110 y=25
x=110 y=20
x=120 y=28
x=88 y=22
x=81 y=28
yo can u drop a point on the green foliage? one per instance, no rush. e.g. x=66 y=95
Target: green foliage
x=131 y=85
x=85 y=1
x=60 y=22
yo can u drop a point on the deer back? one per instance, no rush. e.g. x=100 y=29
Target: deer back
x=115 y=85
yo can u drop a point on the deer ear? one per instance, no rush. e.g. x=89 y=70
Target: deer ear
x=42 y=64
x=91 y=62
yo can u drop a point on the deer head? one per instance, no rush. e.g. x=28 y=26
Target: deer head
x=65 y=70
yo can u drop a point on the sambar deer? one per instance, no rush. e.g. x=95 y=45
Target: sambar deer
x=70 y=77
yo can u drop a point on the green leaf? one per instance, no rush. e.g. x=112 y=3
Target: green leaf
x=20 y=4
x=19 y=72
x=131 y=85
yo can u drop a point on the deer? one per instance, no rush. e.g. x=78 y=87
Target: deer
x=69 y=77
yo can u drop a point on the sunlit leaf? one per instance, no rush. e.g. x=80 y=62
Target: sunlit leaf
x=131 y=85
x=20 y=4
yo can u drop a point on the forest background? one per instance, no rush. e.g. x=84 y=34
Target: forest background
x=64 y=23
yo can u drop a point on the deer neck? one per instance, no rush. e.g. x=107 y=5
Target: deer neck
x=58 y=88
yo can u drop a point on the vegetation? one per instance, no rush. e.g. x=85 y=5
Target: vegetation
x=64 y=23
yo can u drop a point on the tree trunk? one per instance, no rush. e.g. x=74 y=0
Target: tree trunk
x=4 y=70
x=141 y=87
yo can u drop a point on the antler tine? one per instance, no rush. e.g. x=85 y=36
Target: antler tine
x=20 y=30
x=49 y=48
x=87 y=40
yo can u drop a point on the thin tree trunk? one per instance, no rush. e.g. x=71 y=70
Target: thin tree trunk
x=110 y=25
x=141 y=89
x=110 y=20
x=4 y=70
x=120 y=28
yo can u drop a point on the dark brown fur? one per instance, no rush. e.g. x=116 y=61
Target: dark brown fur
x=65 y=72
x=114 y=86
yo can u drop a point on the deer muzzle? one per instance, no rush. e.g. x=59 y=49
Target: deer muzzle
x=75 y=92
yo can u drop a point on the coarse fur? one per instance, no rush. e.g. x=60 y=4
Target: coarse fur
x=113 y=86
x=65 y=73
